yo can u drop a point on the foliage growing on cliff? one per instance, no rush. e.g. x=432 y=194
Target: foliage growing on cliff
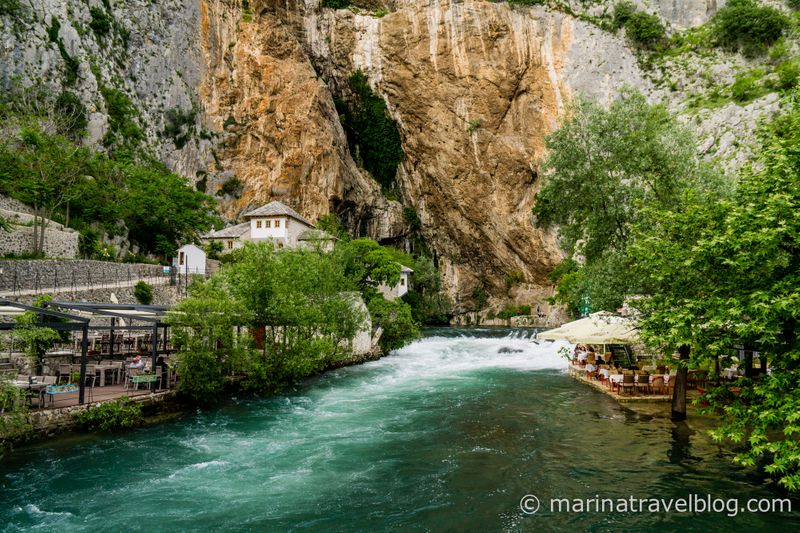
x=43 y=164
x=724 y=271
x=371 y=133
x=101 y=21
x=747 y=26
x=642 y=28
x=179 y=125
x=70 y=63
x=123 y=131
x=122 y=413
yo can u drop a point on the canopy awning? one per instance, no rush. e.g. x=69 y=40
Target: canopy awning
x=598 y=328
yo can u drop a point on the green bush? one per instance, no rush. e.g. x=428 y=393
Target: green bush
x=645 y=29
x=121 y=118
x=71 y=64
x=121 y=413
x=179 y=125
x=72 y=109
x=101 y=21
x=622 y=13
x=747 y=26
x=232 y=187
x=412 y=218
x=143 y=293
x=514 y=310
x=745 y=87
x=514 y=278
x=788 y=74
x=794 y=4
x=10 y=7
x=394 y=316
x=335 y=4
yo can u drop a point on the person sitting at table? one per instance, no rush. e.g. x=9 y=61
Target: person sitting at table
x=137 y=363
x=600 y=360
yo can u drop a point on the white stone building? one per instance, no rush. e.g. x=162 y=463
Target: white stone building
x=274 y=222
x=391 y=293
x=191 y=259
x=285 y=227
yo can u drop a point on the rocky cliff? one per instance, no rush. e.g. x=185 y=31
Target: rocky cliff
x=472 y=86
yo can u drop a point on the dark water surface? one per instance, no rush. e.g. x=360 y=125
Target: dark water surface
x=447 y=434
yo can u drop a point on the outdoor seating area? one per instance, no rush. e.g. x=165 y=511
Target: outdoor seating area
x=631 y=380
x=98 y=353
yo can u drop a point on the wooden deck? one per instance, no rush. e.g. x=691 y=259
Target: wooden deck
x=603 y=387
x=100 y=394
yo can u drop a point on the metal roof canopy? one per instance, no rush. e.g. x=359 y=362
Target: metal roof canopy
x=78 y=323
x=145 y=313
x=152 y=314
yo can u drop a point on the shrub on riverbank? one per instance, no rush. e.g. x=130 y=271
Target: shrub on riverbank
x=121 y=413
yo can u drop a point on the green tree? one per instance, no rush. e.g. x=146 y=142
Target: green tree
x=35 y=339
x=603 y=166
x=210 y=345
x=368 y=263
x=394 y=318
x=161 y=210
x=47 y=172
x=721 y=272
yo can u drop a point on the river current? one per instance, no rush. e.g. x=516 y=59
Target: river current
x=449 y=433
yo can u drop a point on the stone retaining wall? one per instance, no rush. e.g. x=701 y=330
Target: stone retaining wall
x=45 y=275
x=47 y=423
x=57 y=242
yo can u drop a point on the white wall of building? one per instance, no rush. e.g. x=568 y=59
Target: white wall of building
x=275 y=228
x=191 y=259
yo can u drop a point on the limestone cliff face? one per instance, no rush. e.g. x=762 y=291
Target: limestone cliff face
x=278 y=130
x=474 y=87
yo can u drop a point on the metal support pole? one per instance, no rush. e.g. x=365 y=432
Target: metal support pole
x=111 y=341
x=154 y=345
x=84 y=350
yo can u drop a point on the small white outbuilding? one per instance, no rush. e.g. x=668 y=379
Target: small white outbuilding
x=191 y=259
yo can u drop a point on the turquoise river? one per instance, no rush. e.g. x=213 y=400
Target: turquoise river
x=449 y=433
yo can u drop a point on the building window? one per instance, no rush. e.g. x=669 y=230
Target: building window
x=181 y=259
x=402 y=281
x=277 y=223
x=230 y=245
x=258 y=223
x=266 y=223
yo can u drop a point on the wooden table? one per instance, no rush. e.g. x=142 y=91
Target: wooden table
x=102 y=369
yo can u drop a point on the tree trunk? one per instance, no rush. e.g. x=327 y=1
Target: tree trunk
x=41 y=237
x=35 y=230
x=679 y=391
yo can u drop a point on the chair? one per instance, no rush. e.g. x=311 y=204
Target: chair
x=628 y=382
x=643 y=382
x=89 y=382
x=45 y=380
x=63 y=373
x=658 y=384
x=129 y=376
